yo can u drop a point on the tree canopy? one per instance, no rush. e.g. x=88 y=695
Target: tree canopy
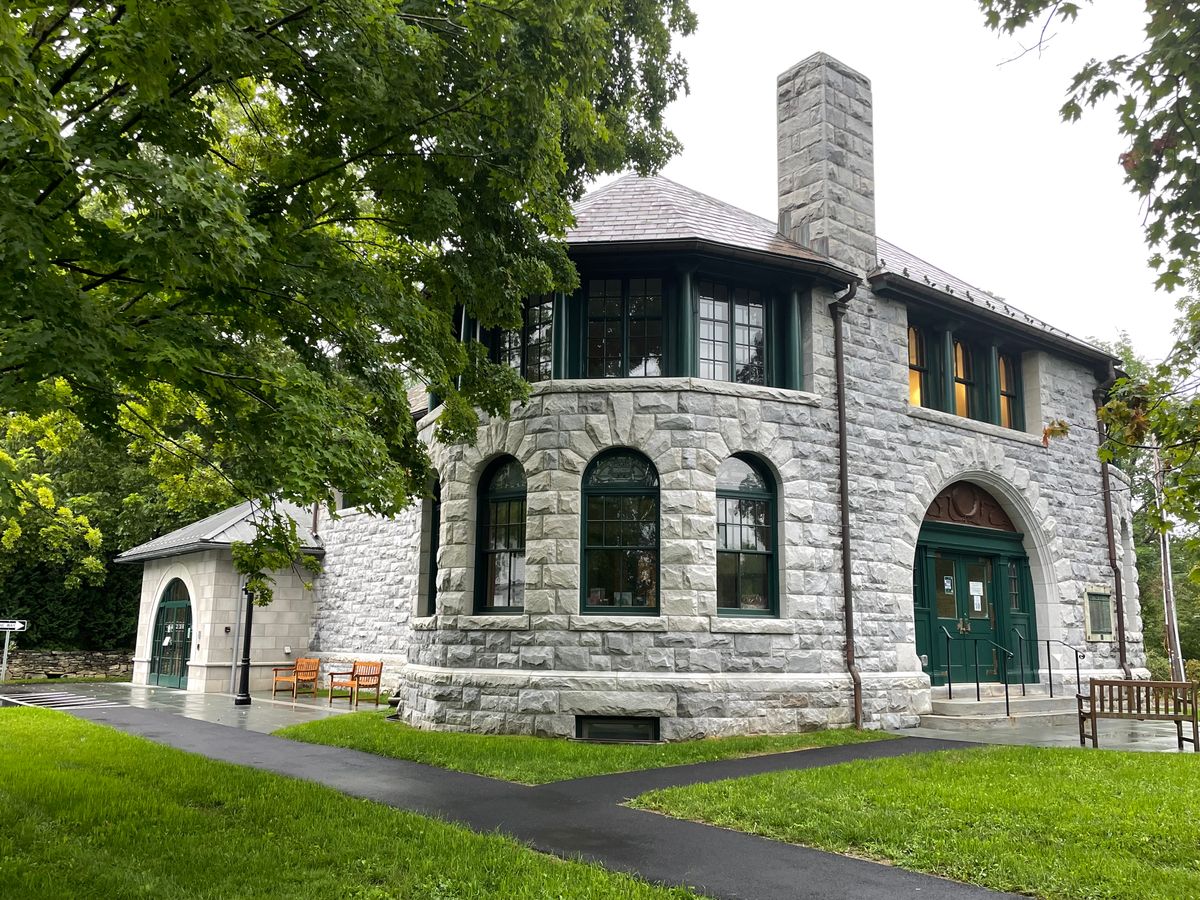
x=278 y=213
x=1157 y=95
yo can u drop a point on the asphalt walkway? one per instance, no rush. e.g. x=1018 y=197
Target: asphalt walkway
x=582 y=818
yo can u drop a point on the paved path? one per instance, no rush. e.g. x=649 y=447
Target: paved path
x=582 y=818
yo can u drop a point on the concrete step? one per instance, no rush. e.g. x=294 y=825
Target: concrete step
x=974 y=723
x=968 y=706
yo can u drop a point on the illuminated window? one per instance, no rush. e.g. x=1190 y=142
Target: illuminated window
x=918 y=368
x=964 y=380
x=1011 y=414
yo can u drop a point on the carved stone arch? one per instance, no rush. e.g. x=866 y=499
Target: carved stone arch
x=966 y=503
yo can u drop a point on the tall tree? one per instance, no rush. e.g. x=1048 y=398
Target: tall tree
x=283 y=210
x=1157 y=94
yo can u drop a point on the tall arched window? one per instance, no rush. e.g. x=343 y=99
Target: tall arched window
x=620 y=534
x=500 y=545
x=745 y=538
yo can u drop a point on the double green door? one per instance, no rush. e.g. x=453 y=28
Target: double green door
x=170 y=651
x=976 y=590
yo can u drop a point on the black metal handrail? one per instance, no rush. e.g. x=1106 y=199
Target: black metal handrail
x=1079 y=654
x=1021 y=639
x=1007 y=655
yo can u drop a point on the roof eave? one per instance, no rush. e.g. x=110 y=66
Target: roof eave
x=134 y=556
x=882 y=282
x=827 y=271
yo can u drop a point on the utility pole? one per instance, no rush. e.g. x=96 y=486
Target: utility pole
x=1170 y=619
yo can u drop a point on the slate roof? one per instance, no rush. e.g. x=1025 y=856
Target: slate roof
x=636 y=209
x=895 y=261
x=220 y=530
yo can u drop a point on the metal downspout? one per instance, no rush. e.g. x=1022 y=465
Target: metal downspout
x=1106 y=483
x=838 y=310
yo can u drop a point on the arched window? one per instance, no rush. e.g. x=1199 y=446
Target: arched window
x=620 y=534
x=500 y=544
x=745 y=538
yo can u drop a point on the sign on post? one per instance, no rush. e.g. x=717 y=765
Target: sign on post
x=8 y=626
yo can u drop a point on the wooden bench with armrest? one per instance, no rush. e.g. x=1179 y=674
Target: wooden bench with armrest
x=306 y=670
x=362 y=676
x=1155 y=701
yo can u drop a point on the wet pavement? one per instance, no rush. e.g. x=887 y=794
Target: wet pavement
x=263 y=715
x=1114 y=734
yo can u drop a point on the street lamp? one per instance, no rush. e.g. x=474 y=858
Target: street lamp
x=242 y=697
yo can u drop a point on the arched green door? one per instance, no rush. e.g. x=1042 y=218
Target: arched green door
x=171 y=646
x=972 y=592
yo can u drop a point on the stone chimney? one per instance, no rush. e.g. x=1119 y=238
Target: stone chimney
x=827 y=161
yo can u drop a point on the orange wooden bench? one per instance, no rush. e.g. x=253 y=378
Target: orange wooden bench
x=307 y=670
x=362 y=676
x=1157 y=701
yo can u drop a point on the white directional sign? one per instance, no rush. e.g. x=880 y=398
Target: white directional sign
x=13 y=624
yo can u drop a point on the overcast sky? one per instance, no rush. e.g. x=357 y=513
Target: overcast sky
x=974 y=170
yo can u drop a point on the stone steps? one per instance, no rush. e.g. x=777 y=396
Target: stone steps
x=965 y=713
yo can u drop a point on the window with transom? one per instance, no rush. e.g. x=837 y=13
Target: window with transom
x=500 y=546
x=620 y=534
x=745 y=538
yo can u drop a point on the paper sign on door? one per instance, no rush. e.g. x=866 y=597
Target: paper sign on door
x=978 y=603
x=948 y=584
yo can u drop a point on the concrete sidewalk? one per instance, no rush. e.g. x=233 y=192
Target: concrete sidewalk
x=572 y=819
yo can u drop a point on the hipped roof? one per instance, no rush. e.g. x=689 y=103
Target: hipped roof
x=220 y=530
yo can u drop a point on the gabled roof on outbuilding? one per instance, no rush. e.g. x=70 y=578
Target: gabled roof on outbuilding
x=654 y=210
x=220 y=530
x=900 y=269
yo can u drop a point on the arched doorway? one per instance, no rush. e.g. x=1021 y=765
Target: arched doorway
x=972 y=592
x=171 y=646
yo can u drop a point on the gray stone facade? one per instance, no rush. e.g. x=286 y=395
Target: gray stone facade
x=700 y=672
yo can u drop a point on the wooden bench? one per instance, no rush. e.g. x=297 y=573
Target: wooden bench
x=362 y=676
x=305 y=671
x=1155 y=701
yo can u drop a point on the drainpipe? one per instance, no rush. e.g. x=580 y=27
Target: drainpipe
x=1100 y=397
x=838 y=310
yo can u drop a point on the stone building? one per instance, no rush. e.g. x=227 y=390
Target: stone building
x=771 y=476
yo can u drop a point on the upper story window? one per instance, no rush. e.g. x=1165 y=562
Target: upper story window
x=624 y=327
x=964 y=380
x=962 y=374
x=918 y=367
x=620 y=534
x=1009 y=372
x=733 y=333
x=529 y=350
x=500 y=544
x=745 y=538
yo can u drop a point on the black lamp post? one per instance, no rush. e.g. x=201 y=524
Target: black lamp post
x=242 y=697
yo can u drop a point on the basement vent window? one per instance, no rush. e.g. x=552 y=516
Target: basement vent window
x=616 y=729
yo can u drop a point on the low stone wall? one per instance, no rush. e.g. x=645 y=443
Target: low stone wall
x=69 y=663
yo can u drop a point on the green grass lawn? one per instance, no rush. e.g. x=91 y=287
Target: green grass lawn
x=1047 y=822
x=89 y=812
x=531 y=760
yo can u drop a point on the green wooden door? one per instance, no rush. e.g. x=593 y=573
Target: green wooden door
x=172 y=642
x=975 y=587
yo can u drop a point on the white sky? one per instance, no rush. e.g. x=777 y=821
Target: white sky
x=974 y=170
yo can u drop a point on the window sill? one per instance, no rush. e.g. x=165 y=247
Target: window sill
x=955 y=421
x=750 y=624
x=696 y=385
x=601 y=622
x=514 y=621
x=423 y=623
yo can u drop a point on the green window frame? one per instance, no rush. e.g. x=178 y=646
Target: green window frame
x=1008 y=374
x=747 y=579
x=620 y=558
x=500 y=539
x=1099 y=616
x=733 y=339
x=918 y=368
x=530 y=349
x=971 y=378
x=625 y=335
